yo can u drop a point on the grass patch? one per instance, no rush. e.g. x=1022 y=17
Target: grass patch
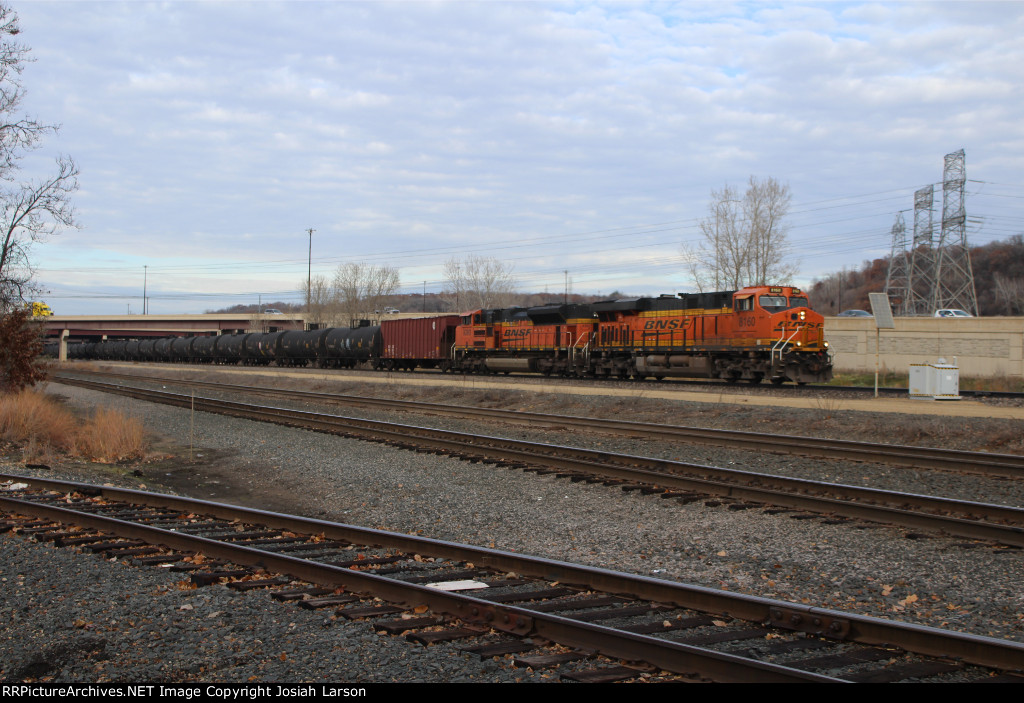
x=43 y=429
x=886 y=379
x=891 y=379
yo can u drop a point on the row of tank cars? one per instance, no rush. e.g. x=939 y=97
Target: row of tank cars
x=336 y=347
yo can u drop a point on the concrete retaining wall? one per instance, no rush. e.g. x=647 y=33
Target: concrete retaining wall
x=981 y=346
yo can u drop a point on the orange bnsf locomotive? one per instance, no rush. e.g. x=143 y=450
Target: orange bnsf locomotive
x=750 y=334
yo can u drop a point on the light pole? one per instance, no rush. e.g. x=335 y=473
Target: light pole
x=145 y=277
x=309 y=272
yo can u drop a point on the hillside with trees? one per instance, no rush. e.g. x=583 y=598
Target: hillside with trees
x=998 y=279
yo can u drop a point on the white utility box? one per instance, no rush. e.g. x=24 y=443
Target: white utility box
x=939 y=381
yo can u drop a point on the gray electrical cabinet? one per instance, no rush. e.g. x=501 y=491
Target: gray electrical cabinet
x=939 y=381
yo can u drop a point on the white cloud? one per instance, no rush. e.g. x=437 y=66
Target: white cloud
x=419 y=126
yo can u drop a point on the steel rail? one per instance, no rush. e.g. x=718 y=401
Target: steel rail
x=954 y=517
x=670 y=656
x=981 y=463
x=831 y=624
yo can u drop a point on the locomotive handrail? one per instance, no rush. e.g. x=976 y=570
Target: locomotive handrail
x=585 y=349
x=780 y=345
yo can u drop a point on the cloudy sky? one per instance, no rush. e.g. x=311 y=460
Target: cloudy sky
x=579 y=136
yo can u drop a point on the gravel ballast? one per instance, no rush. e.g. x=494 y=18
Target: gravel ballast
x=874 y=571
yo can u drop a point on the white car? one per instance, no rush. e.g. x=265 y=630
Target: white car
x=952 y=312
x=272 y=311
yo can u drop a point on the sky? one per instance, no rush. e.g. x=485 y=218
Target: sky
x=576 y=140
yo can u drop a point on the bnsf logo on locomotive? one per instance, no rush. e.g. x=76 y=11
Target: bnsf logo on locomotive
x=521 y=332
x=664 y=324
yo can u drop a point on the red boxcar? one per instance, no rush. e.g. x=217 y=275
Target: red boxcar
x=420 y=341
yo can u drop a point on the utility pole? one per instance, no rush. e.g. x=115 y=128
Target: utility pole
x=145 y=276
x=309 y=272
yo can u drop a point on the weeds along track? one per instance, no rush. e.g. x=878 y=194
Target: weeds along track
x=672 y=479
x=543 y=612
x=965 y=462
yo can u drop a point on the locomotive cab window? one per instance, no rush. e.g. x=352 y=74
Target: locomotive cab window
x=744 y=303
x=799 y=303
x=773 y=303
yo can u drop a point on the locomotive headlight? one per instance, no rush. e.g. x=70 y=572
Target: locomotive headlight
x=799 y=344
x=803 y=314
x=826 y=345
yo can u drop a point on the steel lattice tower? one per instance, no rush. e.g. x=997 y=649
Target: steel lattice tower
x=922 y=256
x=954 y=277
x=934 y=273
x=898 y=283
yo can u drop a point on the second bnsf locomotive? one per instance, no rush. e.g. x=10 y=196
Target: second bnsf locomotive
x=757 y=333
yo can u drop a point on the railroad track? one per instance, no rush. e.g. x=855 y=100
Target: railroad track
x=509 y=603
x=683 y=481
x=980 y=463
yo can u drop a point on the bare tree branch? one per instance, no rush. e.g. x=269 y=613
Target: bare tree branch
x=32 y=212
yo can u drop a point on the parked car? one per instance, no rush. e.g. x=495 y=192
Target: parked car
x=952 y=312
x=854 y=313
x=272 y=311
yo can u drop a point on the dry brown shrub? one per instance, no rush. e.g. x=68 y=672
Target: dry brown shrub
x=111 y=436
x=41 y=427
x=20 y=350
x=30 y=418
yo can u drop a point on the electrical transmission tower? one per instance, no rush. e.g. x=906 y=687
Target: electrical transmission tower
x=934 y=274
x=954 y=278
x=897 y=282
x=922 y=255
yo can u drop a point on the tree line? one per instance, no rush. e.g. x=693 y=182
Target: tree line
x=358 y=289
x=998 y=278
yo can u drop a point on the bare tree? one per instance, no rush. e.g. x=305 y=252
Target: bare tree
x=478 y=282
x=744 y=239
x=361 y=289
x=319 y=298
x=32 y=210
x=1009 y=292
